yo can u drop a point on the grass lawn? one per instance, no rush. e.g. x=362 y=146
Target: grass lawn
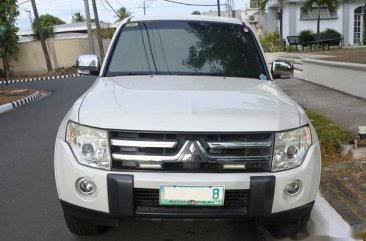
x=329 y=135
x=343 y=181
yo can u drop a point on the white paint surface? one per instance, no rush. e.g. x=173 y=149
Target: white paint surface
x=325 y=221
x=5 y=107
x=345 y=77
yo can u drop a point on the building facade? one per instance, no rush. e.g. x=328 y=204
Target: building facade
x=348 y=20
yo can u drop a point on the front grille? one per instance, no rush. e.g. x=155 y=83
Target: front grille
x=190 y=152
x=147 y=200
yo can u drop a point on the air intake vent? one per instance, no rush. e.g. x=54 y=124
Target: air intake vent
x=147 y=200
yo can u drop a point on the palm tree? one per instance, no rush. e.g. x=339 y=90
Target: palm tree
x=262 y=8
x=331 y=5
x=77 y=18
x=122 y=13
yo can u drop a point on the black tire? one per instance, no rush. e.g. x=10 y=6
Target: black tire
x=79 y=227
x=289 y=229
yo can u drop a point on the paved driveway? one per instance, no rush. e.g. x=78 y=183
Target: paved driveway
x=341 y=108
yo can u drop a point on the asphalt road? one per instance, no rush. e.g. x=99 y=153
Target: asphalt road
x=29 y=206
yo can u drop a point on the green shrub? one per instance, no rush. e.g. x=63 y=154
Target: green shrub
x=107 y=33
x=270 y=42
x=306 y=35
x=330 y=30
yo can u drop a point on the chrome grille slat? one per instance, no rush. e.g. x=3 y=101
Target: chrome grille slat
x=235 y=145
x=118 y=156
x=152 y=144
x=210 y=151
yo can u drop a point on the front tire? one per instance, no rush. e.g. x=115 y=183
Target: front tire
x=80 y=227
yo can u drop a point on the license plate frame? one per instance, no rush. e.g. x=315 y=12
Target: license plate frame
x=192 y=195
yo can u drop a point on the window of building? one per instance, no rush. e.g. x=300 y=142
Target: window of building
x=312 y=14
x=358 y=25
x=253 y=4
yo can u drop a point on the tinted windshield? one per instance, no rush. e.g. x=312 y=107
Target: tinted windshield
x=186 y=47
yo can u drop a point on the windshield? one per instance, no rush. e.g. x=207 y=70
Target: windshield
x=186 y=48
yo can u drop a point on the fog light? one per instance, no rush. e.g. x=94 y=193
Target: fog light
x=293 y=188
x=85 y=186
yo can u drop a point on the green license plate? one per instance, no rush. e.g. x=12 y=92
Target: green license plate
x=192 y=195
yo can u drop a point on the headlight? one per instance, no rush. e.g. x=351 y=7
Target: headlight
x=89 y=145
x=290 y=148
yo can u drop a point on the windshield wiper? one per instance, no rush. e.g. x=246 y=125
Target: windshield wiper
x=127 y=74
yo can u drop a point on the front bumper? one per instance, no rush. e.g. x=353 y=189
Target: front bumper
x=115 y=190
x=121 y=196
x=103 y=219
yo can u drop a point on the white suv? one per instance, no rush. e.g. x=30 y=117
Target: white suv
x=185 y=122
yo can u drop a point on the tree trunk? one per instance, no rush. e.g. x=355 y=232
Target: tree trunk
x=43 y=43
x=364 y=25
x=281 y=26
x=99 y=35
x=218 y=8
x=318 y=23
x=6 y=66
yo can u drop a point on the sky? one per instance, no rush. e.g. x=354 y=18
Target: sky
x=65 y=9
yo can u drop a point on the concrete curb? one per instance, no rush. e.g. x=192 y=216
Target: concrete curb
x=325 y=221
x=20 y=102
x=41 y=78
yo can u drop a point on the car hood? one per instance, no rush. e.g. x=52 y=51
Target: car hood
x=188 y=103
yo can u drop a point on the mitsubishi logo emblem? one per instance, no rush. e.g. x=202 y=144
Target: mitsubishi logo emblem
x=192 y=152
x=192 y=148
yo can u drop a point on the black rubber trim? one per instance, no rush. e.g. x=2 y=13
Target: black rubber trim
x=105 y=219
x=261 y=196
x=88 y=215
x=120 y=195
x=290 y=216
x=196 y=215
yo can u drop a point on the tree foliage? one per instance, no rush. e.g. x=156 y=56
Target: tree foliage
x=8 y=38
x=263 y=3
x=107 y=33
x=46 y=23
x=50 y=20
x=122 y=13
x=220 y=49
x=105 y=30
x=331 y=5
x=78 y=18
x=196 y=13
x=270 y=41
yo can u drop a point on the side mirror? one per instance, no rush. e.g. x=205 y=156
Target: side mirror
x=282 y=69
x=88 y=64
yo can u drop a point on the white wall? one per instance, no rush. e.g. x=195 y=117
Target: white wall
x=349 y=78
x=336 y=24
x=285 y=20
x=63 y=53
